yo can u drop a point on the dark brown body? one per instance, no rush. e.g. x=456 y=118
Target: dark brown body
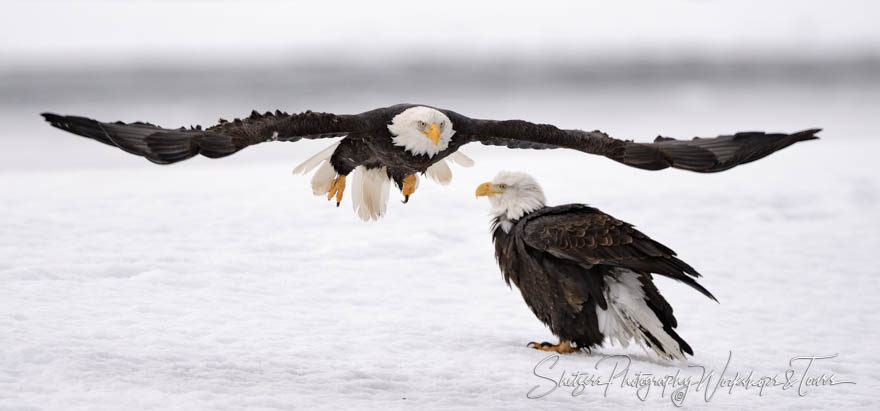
x=561 y=257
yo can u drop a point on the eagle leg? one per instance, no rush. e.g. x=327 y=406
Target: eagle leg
x=337 y=188
x=564 y=347
x=409 y=186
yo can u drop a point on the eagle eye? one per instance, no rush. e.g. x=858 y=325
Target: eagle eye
x=422 y=124
x=502 y=186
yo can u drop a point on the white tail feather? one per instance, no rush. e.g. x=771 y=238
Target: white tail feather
x=315 y=160
x=629 y=317
x=369 y=192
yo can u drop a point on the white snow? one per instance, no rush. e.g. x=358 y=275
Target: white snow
x=224 y=284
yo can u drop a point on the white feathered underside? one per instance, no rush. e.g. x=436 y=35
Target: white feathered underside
x=369 y=192
x=628 y=315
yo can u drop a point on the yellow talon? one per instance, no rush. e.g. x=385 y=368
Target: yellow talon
x=337 y=188
x=564 y=347
x=409 y=186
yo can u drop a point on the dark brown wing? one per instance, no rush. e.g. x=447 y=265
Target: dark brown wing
x=704 y=155
x=164 y=146
x=588 y=236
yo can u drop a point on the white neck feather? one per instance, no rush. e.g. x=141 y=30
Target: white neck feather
x=520 y=195
x=509 y=208
x=515 y=210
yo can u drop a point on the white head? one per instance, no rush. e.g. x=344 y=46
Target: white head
x=512 y=195
x=421 y=130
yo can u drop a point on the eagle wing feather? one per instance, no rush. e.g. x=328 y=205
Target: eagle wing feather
x=165 y=146
x=588 y=236
x=703 y=155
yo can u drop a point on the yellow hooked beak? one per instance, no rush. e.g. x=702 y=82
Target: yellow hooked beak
x=433 y=133
x=486 y=189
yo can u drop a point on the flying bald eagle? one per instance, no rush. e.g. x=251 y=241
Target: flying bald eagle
x=397 y=142
x=584 y=273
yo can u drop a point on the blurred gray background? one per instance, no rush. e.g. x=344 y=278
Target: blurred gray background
x=634 y=69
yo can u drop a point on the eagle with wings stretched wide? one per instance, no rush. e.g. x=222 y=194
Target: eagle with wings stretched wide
x=394 y=144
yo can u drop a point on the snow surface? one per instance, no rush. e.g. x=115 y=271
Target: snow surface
x=225 y=284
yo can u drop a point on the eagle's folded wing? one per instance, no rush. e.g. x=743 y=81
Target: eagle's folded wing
x=704 y=155
x=590 y=237
x=164 y=146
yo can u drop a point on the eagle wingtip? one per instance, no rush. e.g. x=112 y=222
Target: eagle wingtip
x=808 y=134
x=711 y=296
x=51 y=117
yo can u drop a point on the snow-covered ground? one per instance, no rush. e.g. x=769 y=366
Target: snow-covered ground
x=225 y=284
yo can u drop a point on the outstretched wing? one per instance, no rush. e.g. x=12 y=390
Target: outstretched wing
x=165 y=146
x=704 y=155
x=588 y=236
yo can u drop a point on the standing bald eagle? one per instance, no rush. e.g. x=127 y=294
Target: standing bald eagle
x=394 y=143
x=584 y=274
